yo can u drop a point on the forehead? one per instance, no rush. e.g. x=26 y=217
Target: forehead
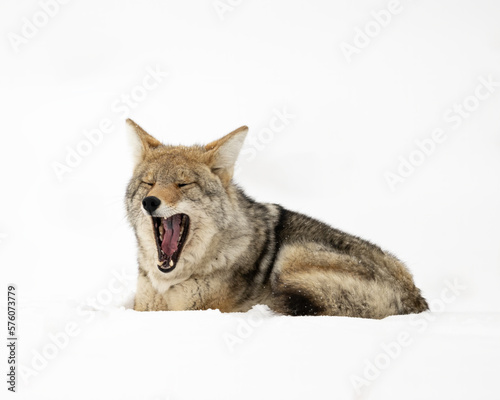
x=176 y=160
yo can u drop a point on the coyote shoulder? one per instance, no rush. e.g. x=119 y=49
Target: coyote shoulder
x=203 y=244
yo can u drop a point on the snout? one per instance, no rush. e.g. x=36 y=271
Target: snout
x=151 y=203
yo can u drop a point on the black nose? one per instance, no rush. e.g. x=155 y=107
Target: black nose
x=151 y=203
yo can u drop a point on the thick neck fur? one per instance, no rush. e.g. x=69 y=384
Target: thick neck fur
x=224 y=240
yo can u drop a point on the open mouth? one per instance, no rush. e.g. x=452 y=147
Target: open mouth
x=170 y=236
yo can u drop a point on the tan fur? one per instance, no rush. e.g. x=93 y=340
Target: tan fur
x=170 y=194
x=317 y=272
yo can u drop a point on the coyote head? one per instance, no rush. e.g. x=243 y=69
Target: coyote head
x=179 y=197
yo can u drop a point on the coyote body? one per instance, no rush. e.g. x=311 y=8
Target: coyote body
x=203 y=244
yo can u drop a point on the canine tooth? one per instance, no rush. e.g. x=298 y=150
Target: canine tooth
x=171 y=263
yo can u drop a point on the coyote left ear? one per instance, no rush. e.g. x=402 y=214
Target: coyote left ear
x=141 y=141
x=224 y=153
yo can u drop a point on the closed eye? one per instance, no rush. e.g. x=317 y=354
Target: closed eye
x=181 y=185
x=147 y=183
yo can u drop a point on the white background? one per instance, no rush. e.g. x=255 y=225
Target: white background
x=62 y=238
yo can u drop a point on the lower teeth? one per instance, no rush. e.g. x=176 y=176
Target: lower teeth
x=171 y=263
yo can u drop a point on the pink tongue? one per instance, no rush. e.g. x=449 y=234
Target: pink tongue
x=172 y=228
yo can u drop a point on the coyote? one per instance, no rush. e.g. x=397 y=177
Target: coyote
x=204 y=244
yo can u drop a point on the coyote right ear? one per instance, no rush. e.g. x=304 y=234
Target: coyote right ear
x=224 y=152
x=141 y=141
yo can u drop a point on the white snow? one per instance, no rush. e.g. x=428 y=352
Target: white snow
x=324 y=133
x=120 y=354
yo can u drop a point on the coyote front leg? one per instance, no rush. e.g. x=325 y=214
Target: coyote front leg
x=147 y=297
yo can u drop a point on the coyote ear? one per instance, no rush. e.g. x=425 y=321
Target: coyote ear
x=224 y=152
x=141 y=141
